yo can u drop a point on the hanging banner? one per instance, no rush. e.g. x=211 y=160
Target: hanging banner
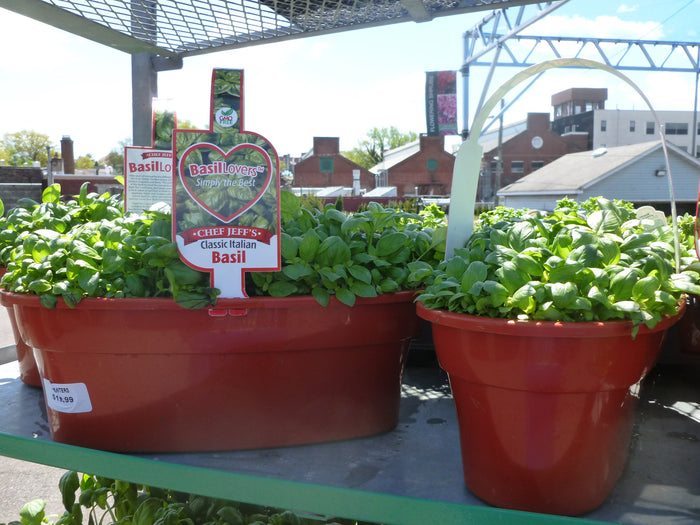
x=226 y=216
x=148 y=172
x=441 y=102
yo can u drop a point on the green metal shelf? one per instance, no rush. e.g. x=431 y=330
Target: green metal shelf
x=411 y=475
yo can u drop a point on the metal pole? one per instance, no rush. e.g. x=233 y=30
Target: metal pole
x=144 y=88
x=694 y=131
x=499 y=166
x=49 y=172
x=144 y=78
x=465 y=88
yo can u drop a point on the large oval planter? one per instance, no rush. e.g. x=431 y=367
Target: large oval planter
x=545 y=409
x=28 y=371
x=148 y=375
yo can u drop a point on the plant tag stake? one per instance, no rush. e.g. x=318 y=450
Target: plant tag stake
x=226 y=193
x=148 y=172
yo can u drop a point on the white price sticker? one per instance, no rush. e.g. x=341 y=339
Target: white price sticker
x=71 y=398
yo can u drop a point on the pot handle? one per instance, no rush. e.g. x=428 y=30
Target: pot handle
x=227 y=312
x=465 y=175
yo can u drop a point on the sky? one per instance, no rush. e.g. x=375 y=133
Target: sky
x=340 y=85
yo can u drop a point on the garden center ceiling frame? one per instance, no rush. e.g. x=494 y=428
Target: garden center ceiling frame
x=158 y=34
x=181 y=28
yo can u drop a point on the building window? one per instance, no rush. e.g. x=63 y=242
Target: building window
x=650 y=128
x=494 y=166
x=698 y=131
x=517 y=166
x=676 y=128
x=633 y=126
x=603 y=125
x=325 y=164
x=537 y=164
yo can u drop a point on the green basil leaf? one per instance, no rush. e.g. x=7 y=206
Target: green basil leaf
x=360 y=273
x=622 y=284
x=497 y=292
x=345 y=296
x=321 y=295
x=282 y=288
x=511 y=277
x=289 y=246
x=563 y=294
x=587 y=254
x=309 y=245
x=333 y=250
x=527 y=264
x=297 y=271
x=388 y=244
x=363 y=290
x=644 y=289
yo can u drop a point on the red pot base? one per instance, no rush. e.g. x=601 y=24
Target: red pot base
x=28 y=371
x=553 y=453
x=545 y=410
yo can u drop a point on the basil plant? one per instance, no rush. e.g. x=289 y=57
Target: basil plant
x=595 y=261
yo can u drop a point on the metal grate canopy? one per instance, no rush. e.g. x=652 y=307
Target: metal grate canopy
x=180 y=28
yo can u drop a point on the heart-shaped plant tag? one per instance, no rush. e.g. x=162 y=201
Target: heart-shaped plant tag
x=226 y=212
x=225 y=184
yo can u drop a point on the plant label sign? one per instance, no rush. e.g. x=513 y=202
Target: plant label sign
x=148 y=172
x=226 y=194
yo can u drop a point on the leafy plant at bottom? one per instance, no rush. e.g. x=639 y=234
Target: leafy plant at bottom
x=98 y=500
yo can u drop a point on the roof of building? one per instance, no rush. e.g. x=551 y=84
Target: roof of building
x=489 y=140
x=576 y=171
x=382 y=191
x=396 y=155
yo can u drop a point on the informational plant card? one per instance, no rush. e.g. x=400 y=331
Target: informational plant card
x=148 y=172
x=226 y=193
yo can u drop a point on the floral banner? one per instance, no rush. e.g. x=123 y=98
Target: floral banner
x=441 y=102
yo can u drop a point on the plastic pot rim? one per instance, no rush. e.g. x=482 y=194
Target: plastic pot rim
x=167 y=303
x=525 y=328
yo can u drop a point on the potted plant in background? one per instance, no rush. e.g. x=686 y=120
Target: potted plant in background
x=546 y=323
x=315 y=354
x=688 y=328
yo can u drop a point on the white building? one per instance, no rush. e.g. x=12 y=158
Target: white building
x=621 y=127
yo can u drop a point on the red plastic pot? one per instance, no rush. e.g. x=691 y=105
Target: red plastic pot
x=545 y=409
x=689 y=327
x=28 y=371
x=148 y=375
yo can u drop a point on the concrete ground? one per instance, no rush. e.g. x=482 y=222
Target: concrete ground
x=22 y=481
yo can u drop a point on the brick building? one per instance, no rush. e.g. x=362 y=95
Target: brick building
x=422 y=167
x=324 y=166
x=524 y=153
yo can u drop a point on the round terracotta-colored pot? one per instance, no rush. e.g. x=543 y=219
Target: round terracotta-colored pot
x=149 y=375
x=28 y=371
x=545 y=409
x=688 y=327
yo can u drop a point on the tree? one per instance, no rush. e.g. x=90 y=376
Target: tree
x=115 y=158
x=370 y=151
x=84 y=162
x=25 y=147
